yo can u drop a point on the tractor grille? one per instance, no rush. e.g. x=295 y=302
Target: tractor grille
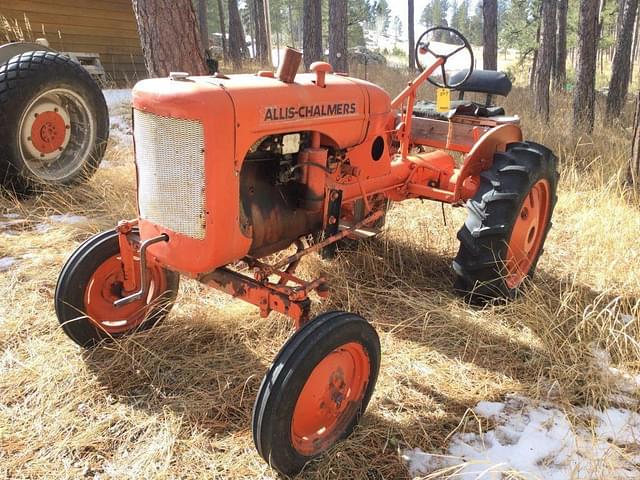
x=170 y=160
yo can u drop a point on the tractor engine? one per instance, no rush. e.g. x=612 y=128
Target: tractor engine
x=274 y=195
x=235 y=166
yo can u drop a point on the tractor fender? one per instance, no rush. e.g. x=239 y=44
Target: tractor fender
x=480 y=158
x=10 y=50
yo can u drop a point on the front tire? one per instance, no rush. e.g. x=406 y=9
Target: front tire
x=54 y=122
x=91 y=281
x=316 y=390
x=507 y=224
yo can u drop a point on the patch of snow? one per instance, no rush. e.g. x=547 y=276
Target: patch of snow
x=538 y=441
x=116 y=97
x=489 y=409
x=11 y=215
x=624 y=382
x=68 y=219
x=6 y=263
x=120 y=130
x=42 y=228
x=627 y=319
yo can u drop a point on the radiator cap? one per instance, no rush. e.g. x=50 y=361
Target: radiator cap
x=178 y=76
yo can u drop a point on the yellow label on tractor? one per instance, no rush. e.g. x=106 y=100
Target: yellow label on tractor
x=443 y=99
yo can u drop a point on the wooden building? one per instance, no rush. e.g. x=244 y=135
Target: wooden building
x=107 y=27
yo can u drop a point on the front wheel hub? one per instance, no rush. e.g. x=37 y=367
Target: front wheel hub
x=329 y=399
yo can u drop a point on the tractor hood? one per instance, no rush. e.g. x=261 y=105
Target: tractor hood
x=342 y=111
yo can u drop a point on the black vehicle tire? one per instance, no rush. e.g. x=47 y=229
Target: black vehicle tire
x=80 y=291
x=281 y=410
x=495 y=257
x=54 y=122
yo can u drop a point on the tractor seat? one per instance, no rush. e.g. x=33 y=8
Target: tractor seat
x=488 y=82
x=483 y=81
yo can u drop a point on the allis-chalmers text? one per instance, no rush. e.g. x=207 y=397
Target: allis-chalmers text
x=273 y=114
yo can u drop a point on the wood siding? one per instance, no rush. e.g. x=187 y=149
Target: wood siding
x=107 y=27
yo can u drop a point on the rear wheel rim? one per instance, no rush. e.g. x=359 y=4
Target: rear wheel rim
x=56 y=134
x=106 y=286
x=528 y=233
x=330 y=398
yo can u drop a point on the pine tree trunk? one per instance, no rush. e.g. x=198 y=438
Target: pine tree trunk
x=202 y=23
x=338 y=35
x=412 y=35
x=620 y=69
x=267 y=25
x=532 y=73
x=236 y=35
x=225 y=51
x=259 y=21
x=545 y=59
x=169 y=36
x=291 y=28
x=490 y=35
x=584 y=94
x=312 y=32
x=633 y=175
x=634 y=52
x=560 y=64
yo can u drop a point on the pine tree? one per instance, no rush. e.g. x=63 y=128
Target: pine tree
x=633 y=174
x=169 y=36
x=412 y=36
x=620 y=69
x=236 y=35
x=312 y=32
x=560 y=62
x=544 y=59
x=584 y=93
x=490 y=35
x=338 y=35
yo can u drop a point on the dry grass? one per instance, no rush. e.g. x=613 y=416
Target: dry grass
x=176 y=402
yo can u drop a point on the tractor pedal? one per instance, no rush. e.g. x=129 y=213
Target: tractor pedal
x=361 y=233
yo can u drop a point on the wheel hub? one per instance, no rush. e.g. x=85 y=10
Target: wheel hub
x=330 y=398
x=106 y=286
x=528 y=232
x=46 y=131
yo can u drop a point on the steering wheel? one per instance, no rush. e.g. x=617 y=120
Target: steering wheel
x=430 y=43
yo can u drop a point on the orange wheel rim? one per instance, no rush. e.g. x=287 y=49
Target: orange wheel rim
x=330 y=398
x=528 y=233
x=48 y=132
x=106 y=286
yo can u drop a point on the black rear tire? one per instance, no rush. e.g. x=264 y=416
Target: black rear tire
x=75 y=278
x=28 y=77
x=492 y=214
x=273 y=412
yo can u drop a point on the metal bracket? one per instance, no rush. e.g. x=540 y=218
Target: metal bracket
x=333 y=222
x=144 y=288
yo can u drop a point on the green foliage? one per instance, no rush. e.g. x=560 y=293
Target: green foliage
x=456 y=14
x=518 y=26
x=383 y=15
x=435 y=14
x=361 y=13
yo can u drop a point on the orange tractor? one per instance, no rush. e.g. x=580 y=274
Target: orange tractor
x=231 y=170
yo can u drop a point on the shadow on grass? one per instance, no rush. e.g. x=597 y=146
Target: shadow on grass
x=203 y=371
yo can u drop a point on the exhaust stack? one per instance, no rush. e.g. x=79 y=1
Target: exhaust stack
x=289 y=67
